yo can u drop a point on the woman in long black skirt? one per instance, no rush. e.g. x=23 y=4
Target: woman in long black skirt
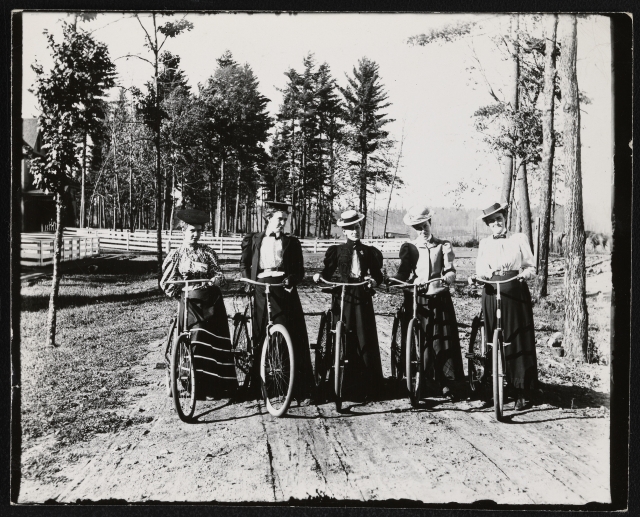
x=427 y=258
x=206 y=313
x=503 y=256
x=357 y=262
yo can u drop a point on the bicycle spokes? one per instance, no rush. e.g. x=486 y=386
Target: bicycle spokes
x=277 y=370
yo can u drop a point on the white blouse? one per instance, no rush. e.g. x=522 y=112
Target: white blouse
x=510 y=253
x=270 y=256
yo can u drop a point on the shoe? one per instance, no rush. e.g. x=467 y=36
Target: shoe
x=447 y=393
x=521 y=404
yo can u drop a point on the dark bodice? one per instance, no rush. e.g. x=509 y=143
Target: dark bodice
x=292 y=262
x=340 y=258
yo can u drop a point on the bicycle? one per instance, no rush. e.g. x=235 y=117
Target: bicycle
x=277 y=359
x=182 y=373
x=338 y=348
x=415 y=342
x=497 y=349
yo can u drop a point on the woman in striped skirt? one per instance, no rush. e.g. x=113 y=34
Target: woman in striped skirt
x=206 y=314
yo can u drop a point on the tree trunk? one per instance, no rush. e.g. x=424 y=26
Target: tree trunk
x=220 y=194
x=395 y=173
x=548 y=149
x=82 y=180
x=363 y=191
x=212 y=202
x=524 y=208
x=55 y=282
x=235 y=215
x=508 y=160
x=576 y=317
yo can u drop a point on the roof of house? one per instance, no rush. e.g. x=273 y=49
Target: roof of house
x=30 y=131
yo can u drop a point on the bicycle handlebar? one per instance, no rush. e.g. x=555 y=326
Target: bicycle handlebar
x=407 y=284
x=249 y=281
x=343 y=283
x=475 y=279
x=187 y=282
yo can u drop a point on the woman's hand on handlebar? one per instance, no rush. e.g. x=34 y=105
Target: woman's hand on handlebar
x=217 y=280
x=316 y=278
x=372 y=282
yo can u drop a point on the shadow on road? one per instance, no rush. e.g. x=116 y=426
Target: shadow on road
x=39 y=303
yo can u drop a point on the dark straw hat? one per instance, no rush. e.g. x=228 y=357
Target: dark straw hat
x=192 y=216
x=496 y=207
x=279 y=206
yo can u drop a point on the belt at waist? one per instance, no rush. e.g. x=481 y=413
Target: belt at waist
x=505 y=275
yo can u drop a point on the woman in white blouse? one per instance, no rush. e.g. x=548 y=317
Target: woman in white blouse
x=502 y=256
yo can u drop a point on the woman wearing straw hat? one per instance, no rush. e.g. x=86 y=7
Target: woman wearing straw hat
x=421 y=260
x=357 y=262
x=502 y=256
x=206 y=314
x=273 y=257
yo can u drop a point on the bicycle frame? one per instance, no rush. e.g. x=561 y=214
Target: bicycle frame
x=343 y=291
x=186 y=291
x=498 y=297
x=415 y=290
x=267 y=291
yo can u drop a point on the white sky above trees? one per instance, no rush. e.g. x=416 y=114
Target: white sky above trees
x=432 y=91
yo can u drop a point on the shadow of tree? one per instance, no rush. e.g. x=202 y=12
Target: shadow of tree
x=38 y=303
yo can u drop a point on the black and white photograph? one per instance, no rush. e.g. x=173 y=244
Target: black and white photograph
x=315 y=258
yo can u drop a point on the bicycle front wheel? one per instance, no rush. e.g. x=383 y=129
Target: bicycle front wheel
x=241 y=348
x=475 y=354
x=396 y=350
x=277 y=370
x=498 y=376
x=183 y=379
x=323 y=348
x=413 y=363
x=339 y=351
x=168 y=351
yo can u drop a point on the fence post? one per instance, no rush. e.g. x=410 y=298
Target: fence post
x=536 y=243
x=127 y=241
x=221 y=244
x=40 y=252
x=315 y=246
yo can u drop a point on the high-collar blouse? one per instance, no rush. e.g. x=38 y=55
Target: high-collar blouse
x=189 y=263
x=509 y=253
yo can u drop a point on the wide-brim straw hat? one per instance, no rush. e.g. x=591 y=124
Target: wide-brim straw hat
x=192 y=216
x=279 y=206
x=496 y=207
x=349 y=217
x=417 y=215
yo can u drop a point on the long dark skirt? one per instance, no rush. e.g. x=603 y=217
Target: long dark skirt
x=286 y=309
x=442 y=358
x=364 y=376
x=207 y=320
x=517 y=326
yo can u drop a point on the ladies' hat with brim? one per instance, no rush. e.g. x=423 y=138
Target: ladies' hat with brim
x=193 y=216
x=496 y=207
x=349 y=217
x=279 y=206
x=417 y=215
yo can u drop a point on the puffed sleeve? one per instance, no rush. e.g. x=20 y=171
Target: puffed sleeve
x=483 y=269
x=245 y=256
x=527 y=263
x=409 y=255
x=296 y=274
x=170 y=272
x=375 y=266
x=330 y=262
x=215 y=271
x=449 y=270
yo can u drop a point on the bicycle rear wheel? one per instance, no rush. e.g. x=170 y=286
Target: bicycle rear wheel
x=183 y=379
x=498 y=376
x=396 y=349
x=168 y=350
x=277 y=370
x=339 y=351
x=475 y=354
x=323 y=348
x=241 y=347
x=413 y=365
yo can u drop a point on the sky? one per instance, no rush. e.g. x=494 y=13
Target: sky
x=432 y=89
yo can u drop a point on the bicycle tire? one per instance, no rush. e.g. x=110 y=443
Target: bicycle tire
x=323 y=348
x=277 y=370
x=168 y=350
x=339 y=350
x=183 y=379
x=241 y=348
x=498 y=384
x=413 y=364
x=396 y=349
x=475 y=356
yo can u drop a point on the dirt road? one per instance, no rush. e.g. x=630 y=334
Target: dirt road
x=442 y=452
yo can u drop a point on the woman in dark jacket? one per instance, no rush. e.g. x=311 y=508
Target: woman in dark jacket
x=357 y=262
x=274 y=257
x=423 y=259
x=206 y=314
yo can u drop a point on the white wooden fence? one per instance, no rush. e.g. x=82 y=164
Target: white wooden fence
x=38 y=249
x=125 y=240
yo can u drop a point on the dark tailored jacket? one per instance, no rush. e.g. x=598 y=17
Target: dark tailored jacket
x=292 y=262
x=440 y=254
x=340 y=257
